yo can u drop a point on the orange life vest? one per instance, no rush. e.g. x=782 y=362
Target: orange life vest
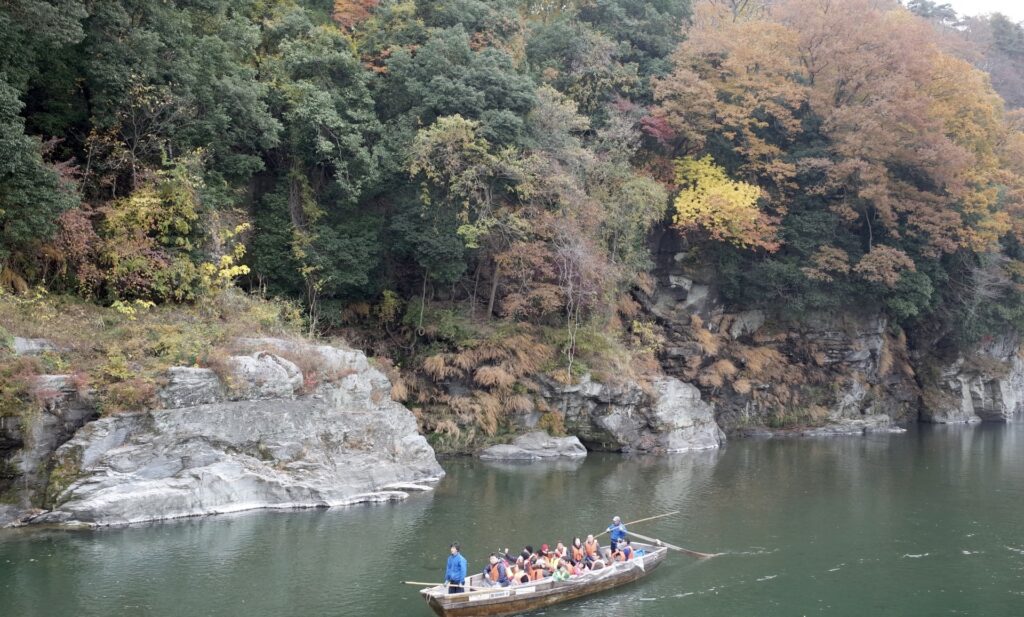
x=577 y=553
x=591 y=548
x=536 y=572
x=495 y=573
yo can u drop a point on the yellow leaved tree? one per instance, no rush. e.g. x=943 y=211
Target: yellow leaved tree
x=726 y=209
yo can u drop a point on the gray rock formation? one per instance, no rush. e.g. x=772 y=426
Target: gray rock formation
x=189 y=386
x=33 y=346
x=984 y=386
x=346 y=443
x=263 y=375
x=32 y=438
x=671 y=418
x=537 y=445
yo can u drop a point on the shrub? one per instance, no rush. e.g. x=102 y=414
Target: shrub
x=553 y=422
x=136 y=394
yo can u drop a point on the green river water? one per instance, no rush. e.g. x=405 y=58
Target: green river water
x=926 y=523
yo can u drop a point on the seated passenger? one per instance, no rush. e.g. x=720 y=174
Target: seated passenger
x=563 y=572
x=592 y=549
x=518 y=573
x=626 y=548
x=580 y=568
x=551 y=561
x=495 y=572
x=623 y=552
x=576 y=550
x=561 y=551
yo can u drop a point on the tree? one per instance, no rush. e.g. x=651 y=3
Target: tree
x=727 y=209
x=33 y=194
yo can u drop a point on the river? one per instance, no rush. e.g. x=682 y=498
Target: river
x=925 y=523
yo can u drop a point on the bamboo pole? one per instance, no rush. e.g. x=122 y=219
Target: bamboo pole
x=643 y=520
x=697 y=554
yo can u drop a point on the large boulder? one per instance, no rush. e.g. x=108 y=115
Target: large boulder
x=669 y=416
x=346 y=443
x=537 y=445
x=264 y=375
x=682 y=419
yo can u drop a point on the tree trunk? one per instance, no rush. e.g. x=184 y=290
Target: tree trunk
x=494 y=290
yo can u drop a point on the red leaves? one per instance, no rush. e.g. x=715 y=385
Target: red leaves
x=350 y=13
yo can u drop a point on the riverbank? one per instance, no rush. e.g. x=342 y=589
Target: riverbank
x=129 y=416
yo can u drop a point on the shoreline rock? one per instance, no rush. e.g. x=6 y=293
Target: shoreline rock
x=668 y=417
x=346 y=443
x=535 y=446
x=986 y=385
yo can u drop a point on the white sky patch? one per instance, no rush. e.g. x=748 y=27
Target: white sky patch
x=1014 y=9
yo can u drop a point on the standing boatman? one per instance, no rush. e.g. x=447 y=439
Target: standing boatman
x=617 y=532
x=455 y=571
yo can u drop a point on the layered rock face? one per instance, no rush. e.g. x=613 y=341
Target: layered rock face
x=28 y=442
x=846 y=371
x=984 y=386
x=669 y=417
x=253 y=442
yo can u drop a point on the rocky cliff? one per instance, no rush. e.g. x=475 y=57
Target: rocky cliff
x=248 y=439
x=983 y=385
x=834 y=373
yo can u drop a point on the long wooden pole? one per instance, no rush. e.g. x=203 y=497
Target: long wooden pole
x=697 y=554
x=419 y=584
x=643 y=520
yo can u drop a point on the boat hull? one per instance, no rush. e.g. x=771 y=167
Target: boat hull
x=533 y=596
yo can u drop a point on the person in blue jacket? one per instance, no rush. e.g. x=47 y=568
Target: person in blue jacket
x=495 y=572
x=455 y=571
x=617 y=532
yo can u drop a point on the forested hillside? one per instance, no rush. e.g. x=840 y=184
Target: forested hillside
x=468 y=188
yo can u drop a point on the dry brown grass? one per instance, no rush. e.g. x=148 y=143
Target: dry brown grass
x=399 y=391
x=742 y=386
x=494 y=377
x=448 y=427
x=760 y=361
x=518 y=403
x=487 y=411
x=436 y=367
x=718 y=374
x=627 y=307
x=708 y=341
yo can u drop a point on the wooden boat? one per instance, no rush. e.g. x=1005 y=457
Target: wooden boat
x=491 y=602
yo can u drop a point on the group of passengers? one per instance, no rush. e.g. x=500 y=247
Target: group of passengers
x=561 y=563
